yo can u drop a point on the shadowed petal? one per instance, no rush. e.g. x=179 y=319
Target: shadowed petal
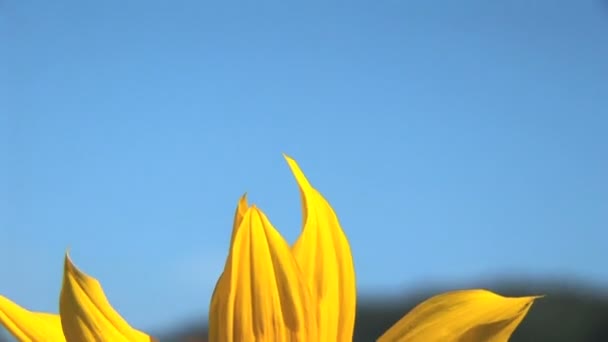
x=86 y=314
x=324 y=255
x=261 y=295
x=461 y=316
x=28 y=326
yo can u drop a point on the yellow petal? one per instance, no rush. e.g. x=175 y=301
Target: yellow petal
x=324 y=255
x=238 y=218
x=28 y=326
x=86 y=314
x=218 y=327
x=261 y=295
x=461 y=316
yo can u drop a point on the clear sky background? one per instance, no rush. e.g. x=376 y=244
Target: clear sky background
x=456 y=140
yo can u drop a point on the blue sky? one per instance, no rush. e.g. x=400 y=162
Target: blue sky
x=457 y=141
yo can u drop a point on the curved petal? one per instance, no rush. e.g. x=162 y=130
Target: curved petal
x=324 y=255
x=261 y=295
x=461 y=316
x=28 y=326
x=86 y=314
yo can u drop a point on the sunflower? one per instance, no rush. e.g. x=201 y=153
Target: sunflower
x=271 y=291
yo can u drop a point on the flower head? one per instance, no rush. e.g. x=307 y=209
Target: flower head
x=270 y=291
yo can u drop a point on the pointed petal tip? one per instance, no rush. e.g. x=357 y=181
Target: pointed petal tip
x=68 y=265
x=298 y=174
x=86 y=314
x=291 y=162
x=289 y=159
x=67 y=261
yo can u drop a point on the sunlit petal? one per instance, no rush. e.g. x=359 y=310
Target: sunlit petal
x=324 y=255
x=216 y=306
x=461 y=316
x=241 y=209
x=86 y=314
x=261 y=295
x=28 y=326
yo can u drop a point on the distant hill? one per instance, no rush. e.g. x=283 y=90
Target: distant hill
x=567 y=314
